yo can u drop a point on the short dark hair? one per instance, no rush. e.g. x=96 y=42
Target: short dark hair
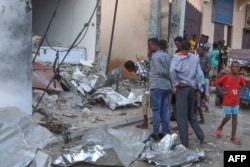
x=185 y=45
x=235 y=62
x=202 y=47
x=163 y=44
x=129 y=64
x=154 y=40
x=178 y=38
x=215 y=45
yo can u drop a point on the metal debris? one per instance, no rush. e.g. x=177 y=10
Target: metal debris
x=165 y=153
x=20 y=138
x=114 y=99
x=41 y=77
x=104 y=146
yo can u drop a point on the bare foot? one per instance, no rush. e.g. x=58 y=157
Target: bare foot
x=190 y=131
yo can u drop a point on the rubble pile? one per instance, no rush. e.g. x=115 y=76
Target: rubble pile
x=85 y=90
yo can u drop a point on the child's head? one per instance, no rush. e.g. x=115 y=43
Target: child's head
x=201 y=50
x=235 y=67
x=130 y=66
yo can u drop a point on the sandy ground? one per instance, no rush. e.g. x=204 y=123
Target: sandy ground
x=214 y=149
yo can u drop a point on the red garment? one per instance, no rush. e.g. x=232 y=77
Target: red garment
x=232 y=85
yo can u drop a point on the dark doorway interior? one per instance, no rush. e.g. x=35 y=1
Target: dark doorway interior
x=192 y=21
x=229 y=32
x=246 y=39
x=218 y=31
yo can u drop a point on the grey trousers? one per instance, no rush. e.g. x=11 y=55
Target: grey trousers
x=185 y=98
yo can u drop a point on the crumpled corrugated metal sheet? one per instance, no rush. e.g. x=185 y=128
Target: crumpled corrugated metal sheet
x=114 y=99
x=106 y=147
x=41 y=76
x=20 y=138
x=163 y=153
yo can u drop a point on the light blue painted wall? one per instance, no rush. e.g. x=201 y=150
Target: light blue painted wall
x=15 y=55
x=154 y=19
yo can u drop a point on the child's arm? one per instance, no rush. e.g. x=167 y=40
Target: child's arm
x=243 y=85
x=218 y=84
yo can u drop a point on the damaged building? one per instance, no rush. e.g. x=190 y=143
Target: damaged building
x=65 y=95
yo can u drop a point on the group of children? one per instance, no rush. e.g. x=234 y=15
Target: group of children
x=232 y=84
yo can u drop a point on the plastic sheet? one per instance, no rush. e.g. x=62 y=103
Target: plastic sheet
x=108 y=147
x=20 y=137
x=165 y=153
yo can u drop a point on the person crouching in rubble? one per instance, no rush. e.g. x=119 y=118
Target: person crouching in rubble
x=160 y=88
x=141 y=69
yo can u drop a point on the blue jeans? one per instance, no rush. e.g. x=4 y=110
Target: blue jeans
x=159 y=104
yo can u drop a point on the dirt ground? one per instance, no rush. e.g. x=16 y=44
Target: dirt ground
x=214 y=149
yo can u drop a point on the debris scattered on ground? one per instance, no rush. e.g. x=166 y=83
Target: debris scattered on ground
x=84 y=88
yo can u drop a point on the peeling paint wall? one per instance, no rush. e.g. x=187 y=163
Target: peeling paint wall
x=155 y=19
x=15 y=55
x=176 y=23
x=164 y=19
x=131 y=31
x=68 y=22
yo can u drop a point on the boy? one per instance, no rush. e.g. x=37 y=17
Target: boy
x=141 y=69
x=160 y=87
x=232 y=83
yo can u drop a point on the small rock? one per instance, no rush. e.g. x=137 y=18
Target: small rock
x=87 y=112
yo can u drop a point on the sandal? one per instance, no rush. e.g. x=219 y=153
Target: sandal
x=218 y=132
x=236 y=141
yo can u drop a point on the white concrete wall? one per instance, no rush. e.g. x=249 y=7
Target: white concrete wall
x=207 y=25
x=15 y=55
x=68 y=22
x=238 y=26
x=131 y=31
x=196 y=4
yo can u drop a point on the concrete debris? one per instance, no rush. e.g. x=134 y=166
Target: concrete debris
x=36 y=40
x=86 y=63
x=64 y=110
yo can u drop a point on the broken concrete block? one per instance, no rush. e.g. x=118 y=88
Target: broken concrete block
x=86 y=112
x=86 y=63
x=39 y=118
x=50 y=99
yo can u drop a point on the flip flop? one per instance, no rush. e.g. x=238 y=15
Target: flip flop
x=236 y=141
x=218 y=132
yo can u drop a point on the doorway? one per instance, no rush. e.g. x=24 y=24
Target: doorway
x=246 y=39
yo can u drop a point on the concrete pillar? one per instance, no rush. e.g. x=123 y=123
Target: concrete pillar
x=155 y=19
x=176 y=22
x=16 y=55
